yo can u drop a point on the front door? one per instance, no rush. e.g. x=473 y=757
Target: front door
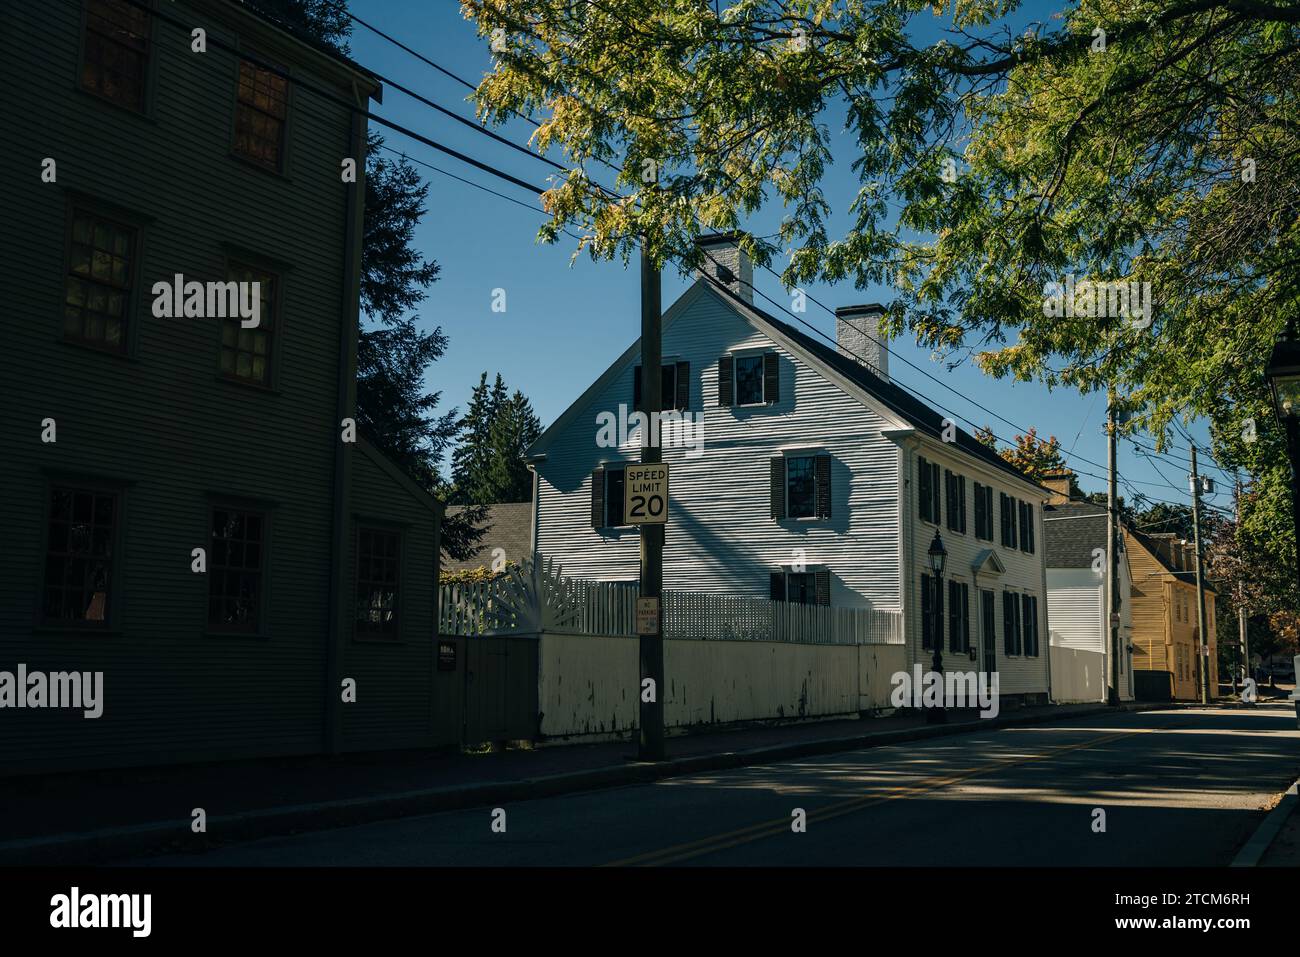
x=987 y=631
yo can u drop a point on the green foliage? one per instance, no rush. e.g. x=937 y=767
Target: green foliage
x=1168 y=155
x=488 y=464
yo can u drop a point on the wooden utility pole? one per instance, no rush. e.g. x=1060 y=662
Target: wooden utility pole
x=1204 y=651
x=1112 y=548
x=651 y=723
x=1243 y=641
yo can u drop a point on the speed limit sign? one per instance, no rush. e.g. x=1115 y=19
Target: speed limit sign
x=645 y=494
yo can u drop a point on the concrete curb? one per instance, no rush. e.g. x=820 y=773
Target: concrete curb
x=116 y=843
x=1254 y=849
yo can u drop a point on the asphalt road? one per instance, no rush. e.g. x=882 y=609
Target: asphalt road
x=1178 y=788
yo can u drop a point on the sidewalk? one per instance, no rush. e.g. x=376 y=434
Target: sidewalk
x=91 y=817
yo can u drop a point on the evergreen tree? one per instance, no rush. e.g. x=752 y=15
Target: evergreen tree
x=469 y=461
x=514 y=429
x=497 y=429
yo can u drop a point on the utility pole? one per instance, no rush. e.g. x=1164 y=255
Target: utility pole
x=651 y=723
x=1241 y=601
x=1112 y=548
x=1204 y=650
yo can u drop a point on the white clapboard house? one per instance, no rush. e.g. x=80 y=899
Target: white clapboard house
x=1074 y=534
x=818 y=481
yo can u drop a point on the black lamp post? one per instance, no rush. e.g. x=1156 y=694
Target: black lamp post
x=1283 y=374
x=938 y=556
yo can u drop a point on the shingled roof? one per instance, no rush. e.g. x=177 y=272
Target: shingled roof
x=509 y=527
x=1073 y=530
x=896 y=398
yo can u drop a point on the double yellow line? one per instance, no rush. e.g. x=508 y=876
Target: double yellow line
x=764 y=829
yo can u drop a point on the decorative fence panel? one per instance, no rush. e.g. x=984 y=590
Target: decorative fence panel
x=536 y=597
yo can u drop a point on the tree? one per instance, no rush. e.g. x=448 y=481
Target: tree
x=497 y=429
x=1125 y=141
x=1035 y=457
x=394 y=410
x=323 y=21
x=516 y=428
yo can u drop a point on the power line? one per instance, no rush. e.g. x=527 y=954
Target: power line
x=826 y=308
x=488 y=168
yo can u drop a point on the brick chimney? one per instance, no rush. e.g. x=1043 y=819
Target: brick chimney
x=857 y=335
x=1059 y=482
x=727 y=263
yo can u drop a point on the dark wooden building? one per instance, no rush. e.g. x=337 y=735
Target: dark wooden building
x=132 y=440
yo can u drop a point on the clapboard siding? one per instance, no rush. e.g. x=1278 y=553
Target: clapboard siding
x=1024 y=574
x=1077 y=609
x=720 y=536
x=161 y=420
x=394 y=706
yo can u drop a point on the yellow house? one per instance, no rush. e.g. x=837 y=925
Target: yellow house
x=1166 y=638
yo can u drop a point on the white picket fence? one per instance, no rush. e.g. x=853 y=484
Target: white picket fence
x=537 y=598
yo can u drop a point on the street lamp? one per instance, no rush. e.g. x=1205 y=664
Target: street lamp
x=1283 y=374
x=938 y=557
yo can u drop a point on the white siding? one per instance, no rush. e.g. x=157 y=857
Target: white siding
x=1024 y=574
x=1076 y=606
x=720 y=536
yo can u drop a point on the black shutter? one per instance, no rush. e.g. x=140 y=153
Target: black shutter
x=1028 y=626
x=771 y=378
x=683 y=385
x=823 y=486
x=777 y=476
x=923 y=478
x=949 y=500
x=822 y=577
x=965 y=617
x=726 y=372
x=1031 y=512
x=636 y=389
x=1008 y=623
x=598 y=497
x=778 y=586
x=954 y=618
x=927 y=613
x=979 y=510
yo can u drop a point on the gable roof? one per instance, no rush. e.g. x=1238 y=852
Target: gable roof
x=1148 y=543
x=898 y=403
x=1073 y=530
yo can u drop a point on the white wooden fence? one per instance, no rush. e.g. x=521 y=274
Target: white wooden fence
x=537 y=598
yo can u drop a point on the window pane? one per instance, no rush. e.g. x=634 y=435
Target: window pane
x=79 y=555
x=800 y=498
x=800 y=589
x=235 y=570
x=376 y=589
x=749 y=380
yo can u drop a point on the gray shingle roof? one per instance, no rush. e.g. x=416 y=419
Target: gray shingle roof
x=1073 y=530
x=509 y=526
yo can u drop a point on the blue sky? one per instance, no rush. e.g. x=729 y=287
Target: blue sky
x=567 y=319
